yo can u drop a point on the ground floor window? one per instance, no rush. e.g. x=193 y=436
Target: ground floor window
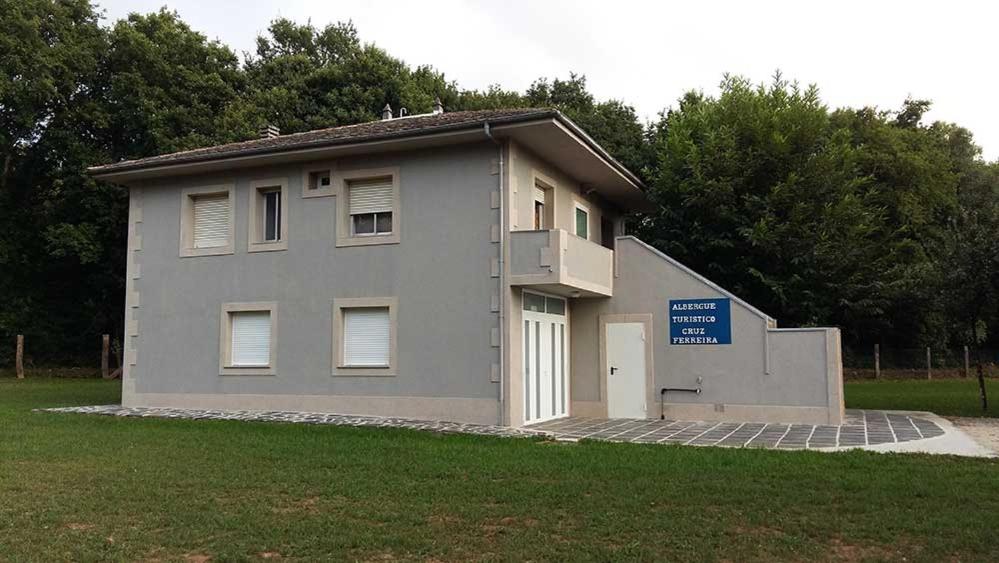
x=364 y=336
x=543 y=304
x=248 y=339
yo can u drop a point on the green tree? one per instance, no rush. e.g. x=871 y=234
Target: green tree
x=76 y=95
x=612 y=123
x=51 y=55
x=303 y=78
x=819 y=217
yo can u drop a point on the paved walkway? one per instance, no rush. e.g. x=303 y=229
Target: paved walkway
x=302 y=418
x=875 y=430
x=861 y=428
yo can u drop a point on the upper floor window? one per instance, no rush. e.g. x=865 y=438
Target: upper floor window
x=544 y=202
x=211 y=220
x=540 y=200
x=268 y=215
x=371 y=206
x=272 y=215
x=206 y=220
x=367 y=207
x=582 y=221
x=318 y=181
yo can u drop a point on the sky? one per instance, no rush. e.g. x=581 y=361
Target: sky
x=647 y=54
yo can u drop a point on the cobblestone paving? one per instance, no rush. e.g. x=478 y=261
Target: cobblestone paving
x=303 y=418
x=861 y=428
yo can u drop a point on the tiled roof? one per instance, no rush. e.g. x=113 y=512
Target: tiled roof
x=374 y=130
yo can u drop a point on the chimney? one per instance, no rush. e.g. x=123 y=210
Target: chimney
x=386 y=112
x=438 y=106
x=269 y=131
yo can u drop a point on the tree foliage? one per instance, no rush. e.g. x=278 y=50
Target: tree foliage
x=856 y=218
x=871 y=220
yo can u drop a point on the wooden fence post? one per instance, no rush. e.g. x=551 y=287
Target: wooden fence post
x=929 y=364
x=105 y=349
x=967 y=364
x=877 y=361
x=19 y=357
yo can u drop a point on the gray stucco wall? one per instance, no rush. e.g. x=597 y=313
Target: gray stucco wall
x=440 y=273
x=801 y=365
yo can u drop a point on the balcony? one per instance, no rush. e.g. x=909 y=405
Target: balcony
x=560 y=263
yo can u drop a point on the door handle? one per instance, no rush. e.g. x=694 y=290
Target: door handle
x=612 y=370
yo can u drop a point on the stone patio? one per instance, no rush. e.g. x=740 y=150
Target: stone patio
x=862 y=428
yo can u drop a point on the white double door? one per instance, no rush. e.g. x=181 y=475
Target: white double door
x=546 y=389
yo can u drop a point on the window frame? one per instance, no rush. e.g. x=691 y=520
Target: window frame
x=544 y=182
x=186 y=238
x=340 y=368
x=546 y=298
x=353 y=229
x=225 y=338
x=576 y=208
x=308 y=171
x=344 y=222
x=255 y=237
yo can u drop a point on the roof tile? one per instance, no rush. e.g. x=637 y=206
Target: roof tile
x=372 y=130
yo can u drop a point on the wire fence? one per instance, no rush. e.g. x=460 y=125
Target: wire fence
x=918 y=363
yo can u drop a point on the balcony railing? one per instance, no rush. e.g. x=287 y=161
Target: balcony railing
x=561 y=263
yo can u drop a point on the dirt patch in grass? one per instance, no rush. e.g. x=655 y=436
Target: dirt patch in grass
x=840 y=549
x=307 y=505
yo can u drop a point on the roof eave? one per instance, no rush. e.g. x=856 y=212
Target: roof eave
x=124 y=172
x=108 y=170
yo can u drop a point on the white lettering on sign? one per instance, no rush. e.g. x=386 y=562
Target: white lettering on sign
x=695 y=339
x=694 y=306
x=693 y=318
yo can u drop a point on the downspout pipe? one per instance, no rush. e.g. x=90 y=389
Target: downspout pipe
x=502 y=278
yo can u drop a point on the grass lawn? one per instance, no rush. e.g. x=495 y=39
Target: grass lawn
x=946 y=397
x=78 y=487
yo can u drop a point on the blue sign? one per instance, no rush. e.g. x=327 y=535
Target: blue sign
x=700 y=321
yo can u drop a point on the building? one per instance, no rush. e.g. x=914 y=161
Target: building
x=468 y=266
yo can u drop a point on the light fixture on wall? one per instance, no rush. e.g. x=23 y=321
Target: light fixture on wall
x=575 y=293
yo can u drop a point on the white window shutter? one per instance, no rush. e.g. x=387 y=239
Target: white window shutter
x=251 y=338
x=371 y=196
x=211 y=221
x=366 y=334
x=539 y=194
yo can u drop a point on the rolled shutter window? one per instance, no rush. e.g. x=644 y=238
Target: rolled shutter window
x=251 y=338
x=366 y=336
x=371 y=196
x=211 y=221
x=539 y=195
